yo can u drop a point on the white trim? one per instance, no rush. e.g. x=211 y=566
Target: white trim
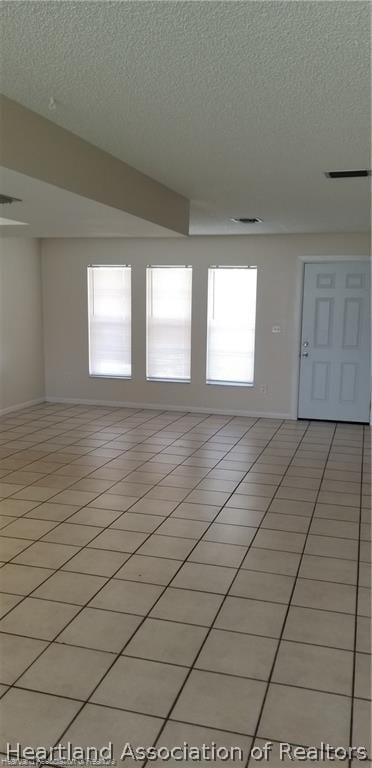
x=300 y=290
x=166 y=407
x=20 y=406
x=336 y=257
x=299 y=297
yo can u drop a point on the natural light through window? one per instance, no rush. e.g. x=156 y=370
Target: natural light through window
x=109 y=301
x=231 y=325
x=169 y=323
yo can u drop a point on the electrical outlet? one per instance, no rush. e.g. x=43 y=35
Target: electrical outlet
x=263 y=389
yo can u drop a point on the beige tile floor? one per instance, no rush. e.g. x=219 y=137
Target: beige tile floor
x=173 y=577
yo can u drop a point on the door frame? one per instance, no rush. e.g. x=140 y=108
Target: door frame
x=300 y=288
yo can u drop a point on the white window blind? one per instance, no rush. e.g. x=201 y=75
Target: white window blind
x=109 y=307
x=169 y=323
x=231 y=324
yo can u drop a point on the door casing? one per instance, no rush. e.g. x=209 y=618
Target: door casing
x=299 y=311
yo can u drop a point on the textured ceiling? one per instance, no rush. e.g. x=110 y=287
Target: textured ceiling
x=240 y=106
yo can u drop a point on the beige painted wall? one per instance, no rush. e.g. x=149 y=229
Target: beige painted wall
x=279 y=261
x=39 y=148
x=21 y=333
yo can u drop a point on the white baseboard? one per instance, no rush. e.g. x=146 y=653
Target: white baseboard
x=166 y=407
x=21 y=406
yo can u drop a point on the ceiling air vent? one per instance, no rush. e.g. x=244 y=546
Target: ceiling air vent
x=347 y=174
x=6 y=200
x=246 y=220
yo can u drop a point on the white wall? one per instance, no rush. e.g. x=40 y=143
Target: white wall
x=21 y=332
x=280 y=267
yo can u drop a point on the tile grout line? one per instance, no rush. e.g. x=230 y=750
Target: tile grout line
x=168 y=716
x=290 y=600
x=189 y=624
x=186 y=458
x=81 y=548
x=159 y=597
x=353 y=683
x=110 y=578
x=87 y=602
x=86 y=453
x=78 y=548
x=107 y=442
x=63 y=432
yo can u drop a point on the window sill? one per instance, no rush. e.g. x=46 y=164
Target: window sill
x=230 y=384
x=109 y=376
x=169 y=381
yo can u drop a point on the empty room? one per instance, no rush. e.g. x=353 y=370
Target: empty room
x=185 y=525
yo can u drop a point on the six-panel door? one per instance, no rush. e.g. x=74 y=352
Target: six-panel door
x=335 y=342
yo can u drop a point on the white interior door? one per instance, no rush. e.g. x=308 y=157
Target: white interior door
x=335 y=342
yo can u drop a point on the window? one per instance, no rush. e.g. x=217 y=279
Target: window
x=109 y=308
x=231 y=324
x=169 y=323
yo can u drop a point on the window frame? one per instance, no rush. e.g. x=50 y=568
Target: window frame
x=89 y=273
x=162 y=379
x=221 y=382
